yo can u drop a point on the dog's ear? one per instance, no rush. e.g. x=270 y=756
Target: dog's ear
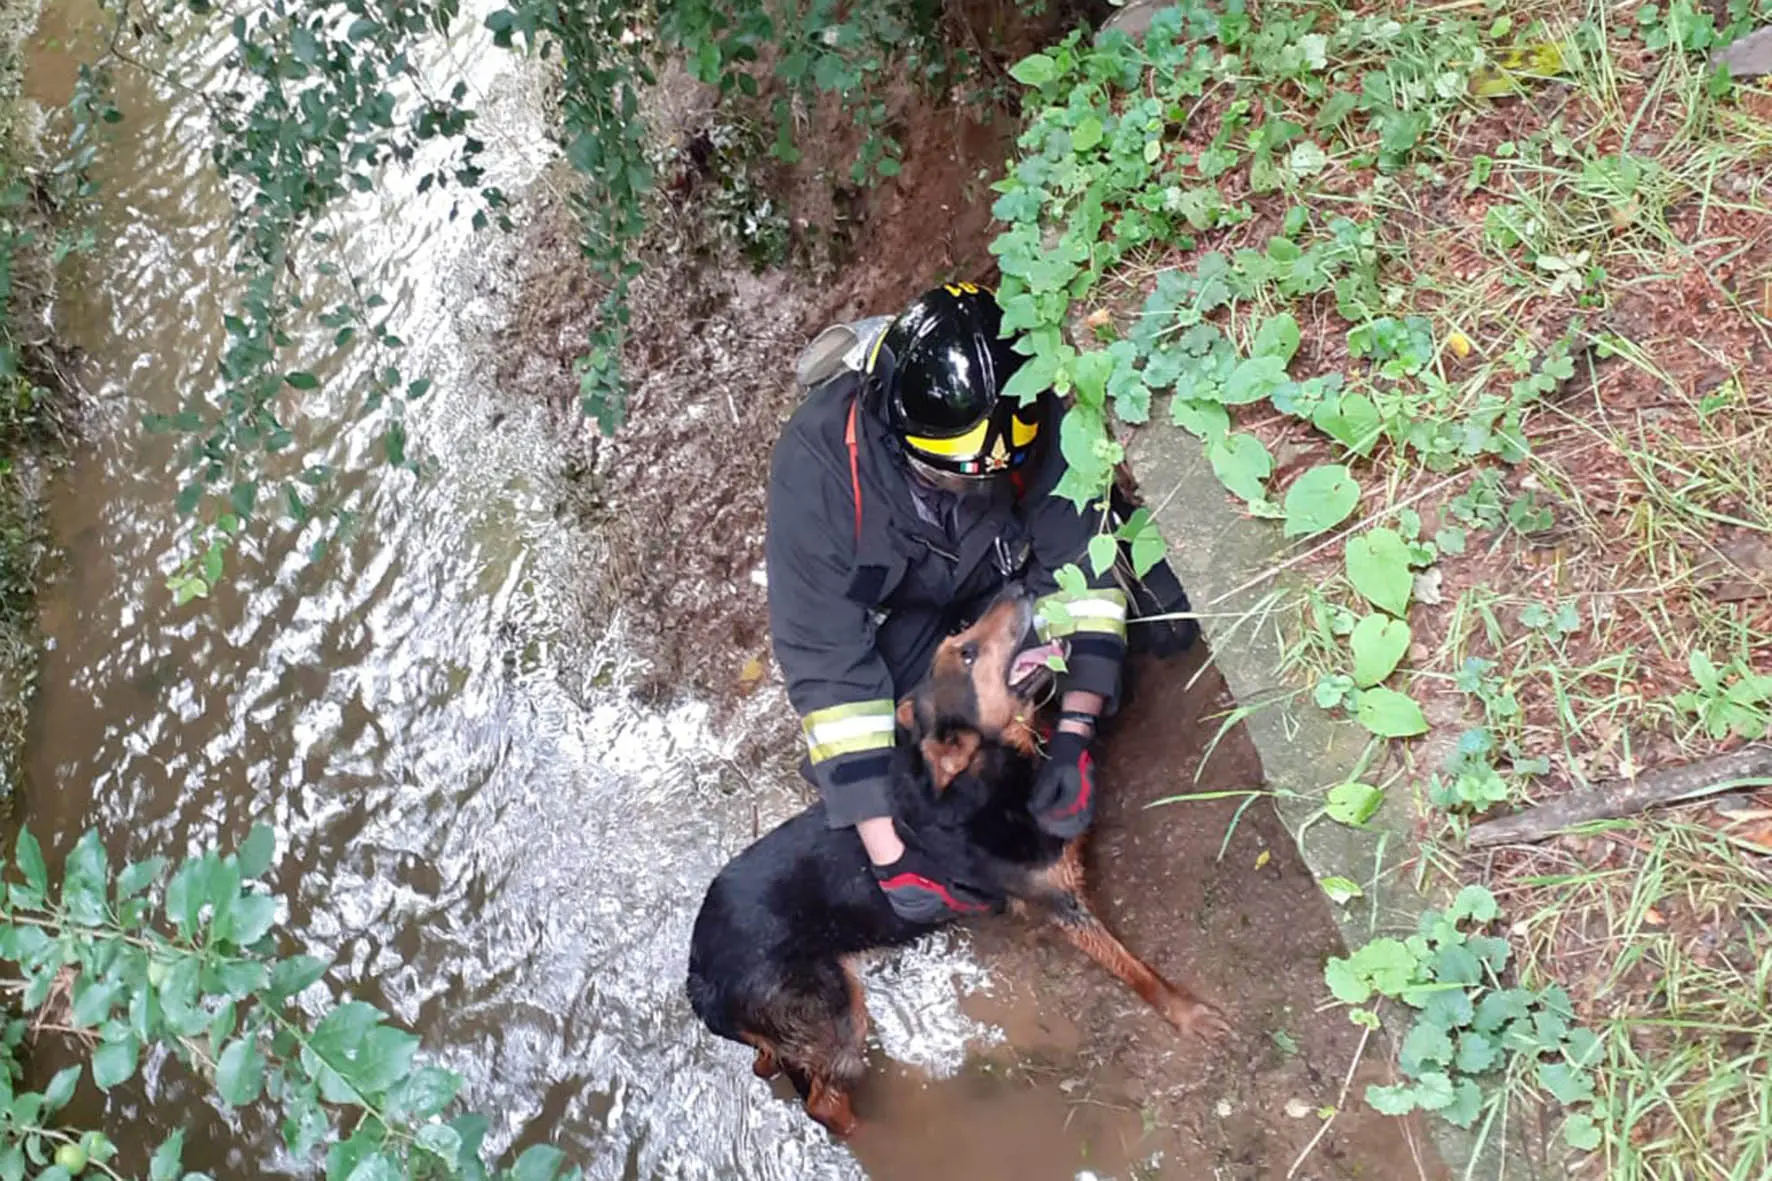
x=907 y=714
x=949 y=756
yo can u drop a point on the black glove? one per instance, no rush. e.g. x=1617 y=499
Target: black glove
x=920 y=892
x=1063 y=798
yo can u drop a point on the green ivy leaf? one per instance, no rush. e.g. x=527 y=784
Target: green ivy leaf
x=1477 y=1052
x=1567 y=1084
x=1475 y=903
x=1581 y=1132
x=1378 y=566
x=1277 y=337
x=1087 y=133
x=1254 y=379
x=1466 y=1105
x=1353 y=804
x=1320 y=499
x=1379 y=644
x=1351 y=420
x=1396 y=1099
x=1390 y=714
x=1243 y=465
x=1209 y=422
x=1345 y=982
x=1103 y=549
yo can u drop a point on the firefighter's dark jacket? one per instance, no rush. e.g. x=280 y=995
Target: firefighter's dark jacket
x=855 y=612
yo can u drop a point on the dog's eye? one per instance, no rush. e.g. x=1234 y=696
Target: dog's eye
x=969 y=654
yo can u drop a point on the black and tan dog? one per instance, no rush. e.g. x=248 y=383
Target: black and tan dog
x=769 y=963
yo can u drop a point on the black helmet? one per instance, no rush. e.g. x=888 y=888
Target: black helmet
x=940 y=368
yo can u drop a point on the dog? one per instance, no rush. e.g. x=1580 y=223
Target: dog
x=771 y=957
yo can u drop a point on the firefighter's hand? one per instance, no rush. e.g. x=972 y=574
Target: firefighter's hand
x=1063 y=798
x=921 y=892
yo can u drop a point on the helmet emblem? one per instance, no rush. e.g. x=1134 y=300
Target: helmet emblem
x=998 y=459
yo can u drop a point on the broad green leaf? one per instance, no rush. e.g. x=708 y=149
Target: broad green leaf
x=240 y=1072
x=1207 y=421
x=1034 y=70
x=30 y=862
x=1476 y=903
x=425 y=1092
x=1086 y=134
x=1320 y=499
x=301 y=380
x=1390 y=714
x=1426 y=1043
x=257 y=851
x=1341 y=890
x=1466 y=1105
x=1353 y=803
x=165 y=1165
x=1397 y=1099
x=440 y=1139
x=250 y=918
x=1378 y=566
x=12 y=1163
x=1345 y=982
x=138 y=876
x=114 y=1063
x=1379 y=644
x=1388 y=964
x=1433 y=1090
x=539 y=1162
x=1243 y=465
x=293 y=975
x=1351 y=420
x=1103 y=549
x=1567 y=1084
x=1581 y=1132
x=376 y=1167
x=1477 y=1052
x=1254 y=379
x=1277 y=337
x=60 y=1089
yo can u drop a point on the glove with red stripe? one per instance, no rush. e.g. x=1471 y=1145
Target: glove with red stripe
x=921 y=893
x=1063 y=796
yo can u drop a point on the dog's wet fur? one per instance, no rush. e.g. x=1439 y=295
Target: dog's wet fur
x=770 y=958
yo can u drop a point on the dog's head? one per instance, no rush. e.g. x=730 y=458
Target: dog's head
x=980 y=691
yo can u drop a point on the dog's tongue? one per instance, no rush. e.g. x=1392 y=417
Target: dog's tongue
x=1030 y=661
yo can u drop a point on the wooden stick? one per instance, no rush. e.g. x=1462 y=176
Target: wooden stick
x=1748 y=767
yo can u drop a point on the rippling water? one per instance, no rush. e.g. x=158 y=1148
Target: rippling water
x=509 y=870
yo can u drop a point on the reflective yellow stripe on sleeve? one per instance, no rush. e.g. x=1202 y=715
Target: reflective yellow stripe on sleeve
x=847 y=729
x=1099 y=610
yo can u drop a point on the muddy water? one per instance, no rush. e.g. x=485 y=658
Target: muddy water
x=509 y=868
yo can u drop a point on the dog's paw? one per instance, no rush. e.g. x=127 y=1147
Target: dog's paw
x=1201 y=1020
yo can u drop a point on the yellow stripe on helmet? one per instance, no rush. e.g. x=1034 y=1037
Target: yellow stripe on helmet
x=1022 y=433
x=966 y=446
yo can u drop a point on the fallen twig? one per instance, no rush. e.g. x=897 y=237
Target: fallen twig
x=1749 y=767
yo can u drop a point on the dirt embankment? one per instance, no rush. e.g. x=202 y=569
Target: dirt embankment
x=34 y=403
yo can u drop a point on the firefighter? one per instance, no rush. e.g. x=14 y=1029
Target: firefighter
x=904 y=492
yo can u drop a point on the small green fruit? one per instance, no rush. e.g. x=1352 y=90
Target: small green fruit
x=71 y=1157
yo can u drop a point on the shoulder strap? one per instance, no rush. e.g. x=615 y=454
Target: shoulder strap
x=854 y=463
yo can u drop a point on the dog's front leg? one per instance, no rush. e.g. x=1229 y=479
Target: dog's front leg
x=1057 y=894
